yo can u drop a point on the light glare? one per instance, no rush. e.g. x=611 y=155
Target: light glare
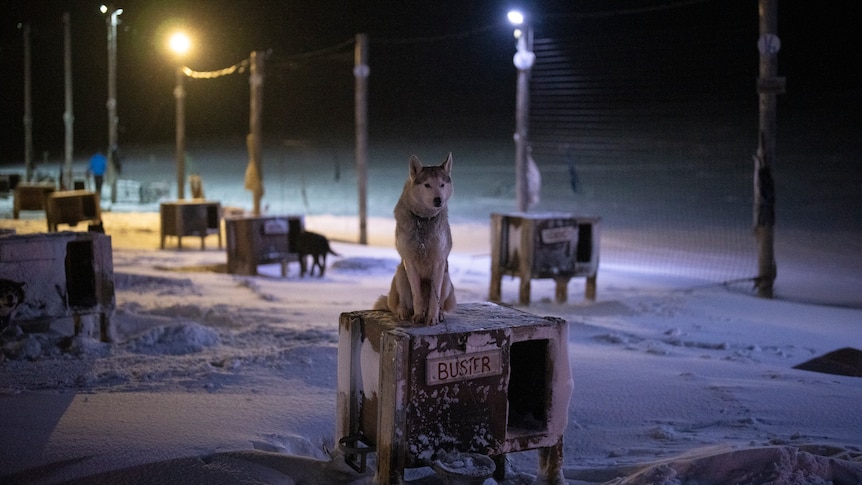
x=179 y=43
x=516 y=17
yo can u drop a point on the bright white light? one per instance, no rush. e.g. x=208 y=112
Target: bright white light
x=516 y=17
x=180 y=43
x=104 y=9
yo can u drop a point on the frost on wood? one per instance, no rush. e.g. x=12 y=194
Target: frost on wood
x=489 y=380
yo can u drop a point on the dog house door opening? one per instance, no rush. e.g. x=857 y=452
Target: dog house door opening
x=528 y=387
x=585 y=243
x=80 y=274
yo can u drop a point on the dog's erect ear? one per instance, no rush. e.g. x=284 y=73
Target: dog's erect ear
x=447 y=164
x=415 y=166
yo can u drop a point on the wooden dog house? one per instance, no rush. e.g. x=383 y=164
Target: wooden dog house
x=64 y=275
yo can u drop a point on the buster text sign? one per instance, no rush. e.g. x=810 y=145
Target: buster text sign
x=464 y=366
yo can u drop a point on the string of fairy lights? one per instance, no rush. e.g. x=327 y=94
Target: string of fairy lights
x=239 y=67
x=242 y=65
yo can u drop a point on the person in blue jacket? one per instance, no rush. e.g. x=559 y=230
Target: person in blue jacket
x=98 y=164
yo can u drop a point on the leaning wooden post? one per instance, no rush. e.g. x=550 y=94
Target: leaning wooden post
x=768 y=86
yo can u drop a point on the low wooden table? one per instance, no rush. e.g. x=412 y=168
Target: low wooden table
x=190 y=218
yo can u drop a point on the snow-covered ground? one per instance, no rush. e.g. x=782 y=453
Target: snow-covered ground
x=680 y=374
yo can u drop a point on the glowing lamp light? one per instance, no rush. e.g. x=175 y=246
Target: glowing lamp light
x=179 y=43
x=104 y=9
x=515 y=17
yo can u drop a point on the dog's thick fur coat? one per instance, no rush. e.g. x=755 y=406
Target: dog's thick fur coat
x=421 y=288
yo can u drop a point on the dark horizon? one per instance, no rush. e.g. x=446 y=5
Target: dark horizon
x=427 y=63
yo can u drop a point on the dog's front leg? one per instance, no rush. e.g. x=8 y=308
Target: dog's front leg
x=420 y=308
x=435 y=313
x=400 y=298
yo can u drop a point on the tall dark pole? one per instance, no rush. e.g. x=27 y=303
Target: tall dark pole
x=28 y=111
x=180 y=95
x=523 y=61
x=768 y=86
x=113 y=120
x=255 y=142
x=68 y=117
x=360 y=72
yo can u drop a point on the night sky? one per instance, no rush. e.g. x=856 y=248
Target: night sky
x=429 y=60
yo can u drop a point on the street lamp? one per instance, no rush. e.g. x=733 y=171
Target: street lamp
x=112 y=21
x=523 y=60
x=179 y=43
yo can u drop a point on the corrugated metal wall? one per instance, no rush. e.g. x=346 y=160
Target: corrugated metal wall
x=649 y=118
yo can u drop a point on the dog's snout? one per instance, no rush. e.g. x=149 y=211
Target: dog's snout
x=438 y=202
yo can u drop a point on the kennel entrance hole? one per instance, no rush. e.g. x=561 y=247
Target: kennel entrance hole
x=80 y=274
x=528 y=387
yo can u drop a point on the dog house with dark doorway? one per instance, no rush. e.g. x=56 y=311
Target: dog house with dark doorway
x=489 y=380
x=64 y=275
x=190 y=218
x=256 y=240
x=548 y=245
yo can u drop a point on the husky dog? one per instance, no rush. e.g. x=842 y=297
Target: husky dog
x=316 y=246
x=421 y=287
x=11 y=296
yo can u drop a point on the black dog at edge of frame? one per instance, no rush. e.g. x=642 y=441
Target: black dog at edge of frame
x=314 y=245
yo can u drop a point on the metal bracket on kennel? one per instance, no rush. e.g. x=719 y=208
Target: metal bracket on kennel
x=356 y=451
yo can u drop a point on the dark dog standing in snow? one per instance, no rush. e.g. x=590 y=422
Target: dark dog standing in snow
x=11 y=296
x=316 y=246
x=421 y=288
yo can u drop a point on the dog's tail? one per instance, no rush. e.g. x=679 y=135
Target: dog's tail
x=382 y=303
x=330 y=251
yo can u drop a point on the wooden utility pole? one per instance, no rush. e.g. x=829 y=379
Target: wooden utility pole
x=113 y=120
x=768 y=86
x=180 y=95
x=523 y=61
x=68 y=118
x=361 y=72
x=255 y=143
x=28 y=110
